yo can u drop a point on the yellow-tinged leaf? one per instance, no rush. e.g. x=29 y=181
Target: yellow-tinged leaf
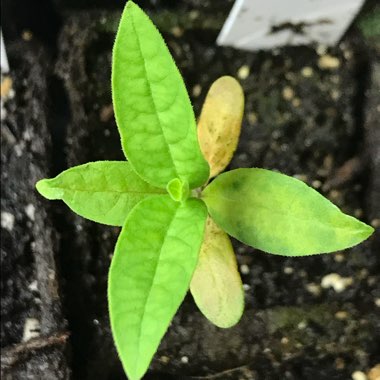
x=216 y=284
x=220 y=123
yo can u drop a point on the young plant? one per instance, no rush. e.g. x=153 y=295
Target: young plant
x=174 y=225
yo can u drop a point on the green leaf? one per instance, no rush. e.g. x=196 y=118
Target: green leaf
x=155 y=257
x=103 y=191
x=152 y=108
x=280 y=214
x=216 y=284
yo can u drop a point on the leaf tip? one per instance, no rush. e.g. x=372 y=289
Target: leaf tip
x=44 y=187
x=366 y=231
x=134 y=374
x=130 y=3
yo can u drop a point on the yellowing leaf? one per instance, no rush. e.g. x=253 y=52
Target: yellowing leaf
x=220 y=123
x=216 y=284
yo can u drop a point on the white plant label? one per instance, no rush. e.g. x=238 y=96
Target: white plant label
x=266 y=24
x=4 y=59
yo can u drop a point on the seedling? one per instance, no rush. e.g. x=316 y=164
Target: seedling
x=173 y=222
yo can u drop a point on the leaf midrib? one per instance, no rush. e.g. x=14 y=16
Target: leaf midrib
x=214 y=280
x=299 y=217
x=150 y=289
x=108 y=191
x=152 y=97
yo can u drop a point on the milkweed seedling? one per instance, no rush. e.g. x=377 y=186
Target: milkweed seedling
x=175 y=224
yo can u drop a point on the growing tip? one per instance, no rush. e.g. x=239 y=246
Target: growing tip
x=178 y=189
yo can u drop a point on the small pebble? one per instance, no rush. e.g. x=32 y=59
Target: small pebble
x=184 y=359
x=242 y=157
x=290 y=76
x=30 y=211
x=359 y=375
x=371 y=280
x=374 y=373
x=287 y=93
x=31 y=329
x=358 y=213
x=177 y=31
x=301 y=177
x=302 y=273
x=314 y=289
x=7 y=220
x=18 y=149
x=243 y=72
x=363 y=273
x=375 y=223
x=244 y=269
x=348 y=54
x=106 y=113
x=3 y=112
x=6 y=86
x=321 y=49
x=341 y=315
x=339 y=363
x=335 y=94
x=328 y=62
x=284 y=340
x=33 y=286
x=328 y=162
x=334 y=194
x=335 y=79
x=246 y=287
x=288 y=270
x=307 y=72
x=51 y=274
x=339 y=257
x=252 y=118
x=335 y=281
x=165 y=359
x=197 y=90
x=316 y=184
x=302 y=325
x=193 y=15
x=377 y=302
x=27 y=35
x=296 y=102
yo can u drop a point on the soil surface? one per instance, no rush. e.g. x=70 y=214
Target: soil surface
x=33 y=330
x=310 y=112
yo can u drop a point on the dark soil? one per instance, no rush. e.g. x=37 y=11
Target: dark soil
x=29 y=279
x=320 y=125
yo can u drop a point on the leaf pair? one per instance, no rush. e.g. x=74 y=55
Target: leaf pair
x=163 y=227
x=216 y=285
